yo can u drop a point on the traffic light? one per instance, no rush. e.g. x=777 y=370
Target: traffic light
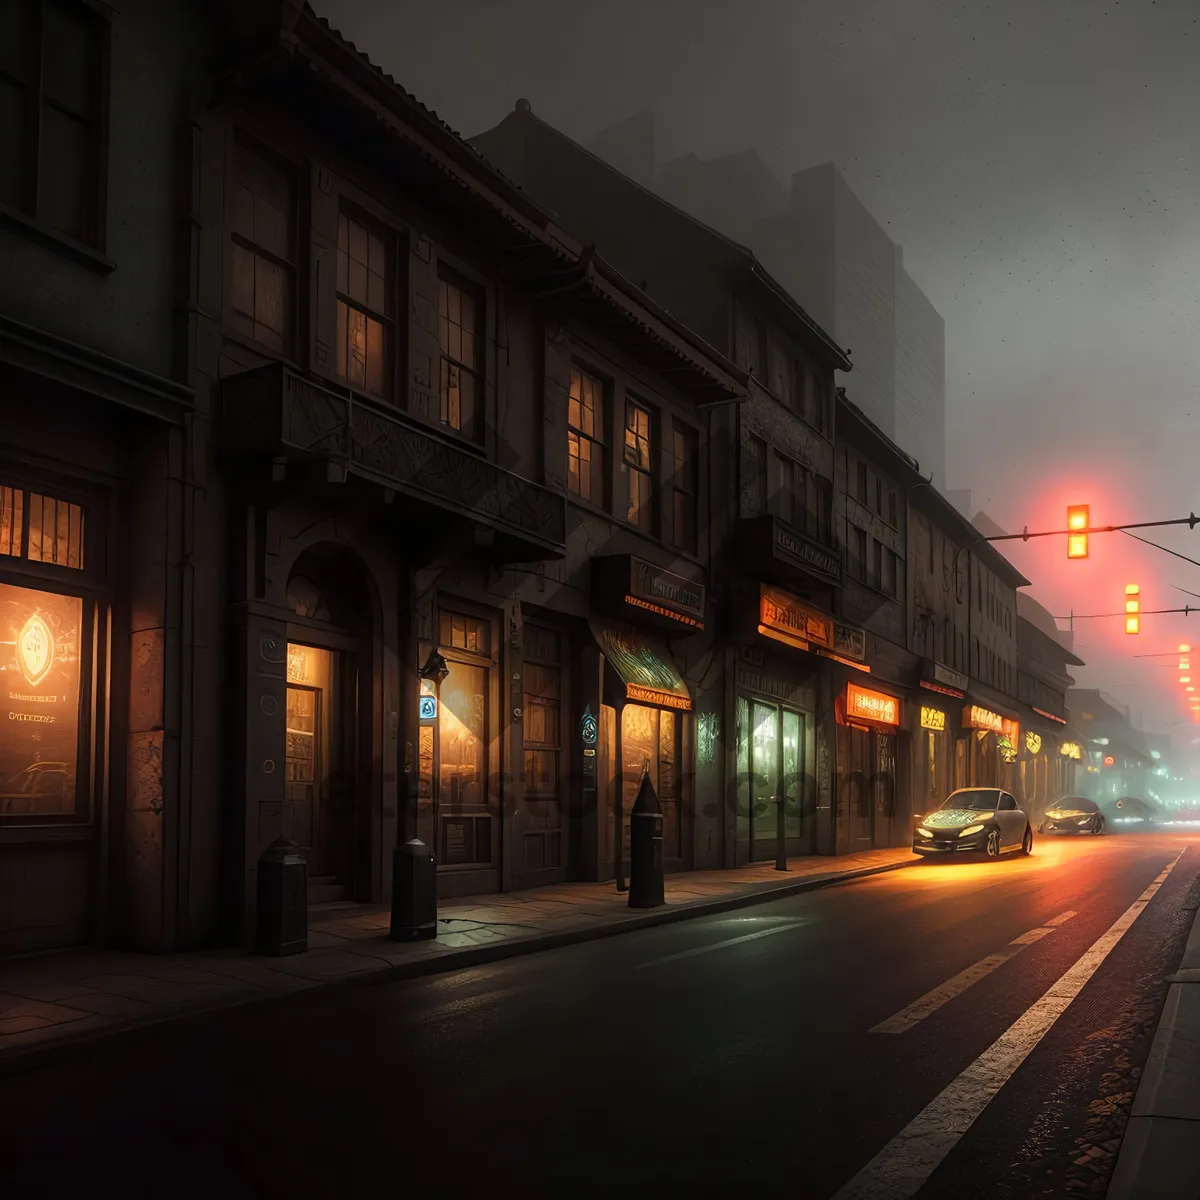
x=1133 y=606
x=1077 y=543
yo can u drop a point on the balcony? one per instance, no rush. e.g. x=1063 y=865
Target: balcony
x=275 y=415
x=772 y=549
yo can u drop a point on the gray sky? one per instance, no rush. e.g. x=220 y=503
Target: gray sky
x=1038 y=160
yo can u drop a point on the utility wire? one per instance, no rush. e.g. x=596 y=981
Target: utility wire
x=1174 y=553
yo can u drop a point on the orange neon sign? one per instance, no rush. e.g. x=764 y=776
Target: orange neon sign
x=871 y=706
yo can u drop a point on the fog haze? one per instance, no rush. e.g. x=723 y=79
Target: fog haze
x=1038 y=163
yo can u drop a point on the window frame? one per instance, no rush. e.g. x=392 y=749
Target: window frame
x=27 y=217
x=390 y=237
x=451 y=272
x=691 y=464
x=244 y=134
x=601 y=423
x=654 y=454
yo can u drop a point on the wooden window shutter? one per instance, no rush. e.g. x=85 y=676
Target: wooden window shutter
x=323 y=259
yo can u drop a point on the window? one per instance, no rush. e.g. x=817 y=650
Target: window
x=262 y=227
x=460 y=326
x=861 y=495
x=888 y=573
x=585 y=437
x=52 y=114
x=876 y=569
x=778 y=372
x=893 y=518
x=462 y=632
x=791 y=499
x=40 y=528
x=639 y=466
x=754 y=474
x=858 y=552
x=365 y=306
x=683 y=487
x=543 y=714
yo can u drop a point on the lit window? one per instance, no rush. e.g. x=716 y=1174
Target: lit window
x=364 y=306
x=262 y=228
x=638 y=463
x=460 y=317
x=585 y=437
x=40 y=528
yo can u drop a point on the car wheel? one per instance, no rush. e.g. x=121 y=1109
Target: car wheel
x=1027 y=841
x=993 y=844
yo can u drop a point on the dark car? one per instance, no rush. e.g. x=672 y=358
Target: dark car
x=974 y=820
x=1073 y=814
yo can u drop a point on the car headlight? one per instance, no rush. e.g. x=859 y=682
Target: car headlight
x=970 y=829
x=925 y=833
x=1083 y=820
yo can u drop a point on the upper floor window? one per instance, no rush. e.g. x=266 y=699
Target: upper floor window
x=791 y=497
x=861 y=495
x=262 y=222
x=639 y=466
x=460 y=335
x=40 y=528
x=365 y=306
x=892 y=510
x=585 y=437
x=683 y=487
x=52 y=114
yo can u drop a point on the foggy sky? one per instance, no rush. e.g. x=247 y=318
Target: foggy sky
x=1039 y=162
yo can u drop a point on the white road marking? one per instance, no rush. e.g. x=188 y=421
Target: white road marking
x=901 y=1168
x=745 y=937
x=918 y=1010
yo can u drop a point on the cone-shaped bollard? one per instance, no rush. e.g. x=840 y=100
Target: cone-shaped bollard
x=282 y=900
x=646 y=849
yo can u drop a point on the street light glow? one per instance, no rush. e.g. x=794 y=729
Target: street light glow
x=1077 y=543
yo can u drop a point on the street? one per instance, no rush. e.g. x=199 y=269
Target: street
x=781 y=1047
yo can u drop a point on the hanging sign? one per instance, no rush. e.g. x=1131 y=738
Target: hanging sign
x=932 y=718
x=871 y=706
x=786 y=618
x=428 y=708
x=1033 y=742
x=1071 y=750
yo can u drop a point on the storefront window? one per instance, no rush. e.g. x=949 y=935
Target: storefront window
x=462 y=770
x=651 y=743
x=40 y=642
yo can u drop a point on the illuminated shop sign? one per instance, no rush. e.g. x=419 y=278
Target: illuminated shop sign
x=428 y=708
x=39 y=687
x=665 y=593
x=871 y=706
x=658 y=610
x=635 y=691
x=932 y=718
x=786 y=618
x=945 y=691
x=1041 y=712
x=1071 y=750
x=976 y=717
x=1033 y=742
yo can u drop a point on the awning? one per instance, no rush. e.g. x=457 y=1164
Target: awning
x=642 y=669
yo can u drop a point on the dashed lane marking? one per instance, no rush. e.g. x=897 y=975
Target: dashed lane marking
x=902 y=1167
x=918 y=1010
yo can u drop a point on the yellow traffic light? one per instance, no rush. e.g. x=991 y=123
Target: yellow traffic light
x=1077 y=519
x=1133 y=606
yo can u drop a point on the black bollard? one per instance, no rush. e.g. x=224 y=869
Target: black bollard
x=282 y=900
x=414 y=893
x=780 y=835
x=646 y=888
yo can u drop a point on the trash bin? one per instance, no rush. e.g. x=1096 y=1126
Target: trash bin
x=282 y=900
x=414 y=893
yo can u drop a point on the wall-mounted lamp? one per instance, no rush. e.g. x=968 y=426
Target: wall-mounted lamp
x=435 y=668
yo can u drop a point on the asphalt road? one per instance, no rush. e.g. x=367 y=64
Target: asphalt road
x=725 y=1055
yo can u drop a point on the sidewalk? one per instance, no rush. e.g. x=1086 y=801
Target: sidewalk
x=50 y=1003
x=1159 y=1157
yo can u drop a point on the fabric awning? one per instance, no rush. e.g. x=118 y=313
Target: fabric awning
x=644 y=669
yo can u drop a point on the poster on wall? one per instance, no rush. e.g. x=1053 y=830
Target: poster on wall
x=39 y=668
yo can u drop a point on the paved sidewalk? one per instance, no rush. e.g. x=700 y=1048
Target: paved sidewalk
x=51 y=1002
x=1159 y=1157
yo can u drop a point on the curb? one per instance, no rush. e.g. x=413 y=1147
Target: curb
x=1166 y=1166
x=69 y=1046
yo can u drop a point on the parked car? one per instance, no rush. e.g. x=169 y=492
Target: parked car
x=974 y=820
x=1073 y=814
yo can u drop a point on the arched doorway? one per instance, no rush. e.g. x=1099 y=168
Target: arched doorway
x=329 y=705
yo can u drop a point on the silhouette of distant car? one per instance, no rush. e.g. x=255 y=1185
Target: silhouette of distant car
x=1073 y=814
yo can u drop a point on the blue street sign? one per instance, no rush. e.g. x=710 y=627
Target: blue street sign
x=428 y=708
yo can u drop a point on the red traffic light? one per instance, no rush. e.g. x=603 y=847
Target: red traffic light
x=1109 y=760
x=1077 y=519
